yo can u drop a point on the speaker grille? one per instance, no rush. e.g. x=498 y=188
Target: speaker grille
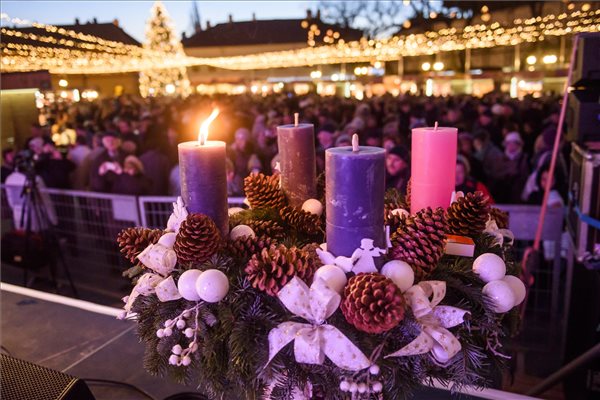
x=22 y=380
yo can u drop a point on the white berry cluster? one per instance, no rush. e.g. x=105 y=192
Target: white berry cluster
x=182 y=356
x=354 y=386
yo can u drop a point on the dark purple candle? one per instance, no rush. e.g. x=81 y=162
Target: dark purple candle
x=297 y=162
x=355 y=190
x=203 y=177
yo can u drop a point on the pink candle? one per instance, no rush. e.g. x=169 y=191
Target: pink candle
x=433 y=167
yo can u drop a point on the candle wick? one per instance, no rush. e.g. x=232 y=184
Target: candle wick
x=355 y=143
x=435 y=126
x=296 y=117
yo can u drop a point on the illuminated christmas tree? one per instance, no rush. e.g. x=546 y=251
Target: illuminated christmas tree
x=162 y=41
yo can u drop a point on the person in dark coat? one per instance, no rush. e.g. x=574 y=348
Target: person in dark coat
x=397 y=166
x=108 y=164
x=156 y=162
x=131 y=180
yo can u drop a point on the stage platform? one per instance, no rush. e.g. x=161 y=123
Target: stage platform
x=86 y=340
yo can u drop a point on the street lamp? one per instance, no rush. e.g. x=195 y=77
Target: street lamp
x=531 y=59
x=63 y=83
x=426 y=66
x=550 y=59
x=438 y=66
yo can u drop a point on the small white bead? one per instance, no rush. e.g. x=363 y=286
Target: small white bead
x=362 y=387
x=181 y=324
x=186 y=314
x=189 y=332
x=353 y=387
x=168 y=322
x=193 y=346
x=374 y=369
x=160 y=333
x=168 y=331
x=186 y=361
x=173 y=360
x=177 y=349
x=377 y=386
x=344 y=386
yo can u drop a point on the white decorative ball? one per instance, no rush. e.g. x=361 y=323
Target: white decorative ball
x=362 y=387
x=400 y=212
x=377 y=386
x=344 y=386
x=517 y=286
x=400 y=273
x=489 y=267
x=241 y=230
x=502 y=295
x=212 y=285
x=334 y=276
x=187 y=284
x=374 y=369
x=353 y=387
x=234 y=210
x=313 y=206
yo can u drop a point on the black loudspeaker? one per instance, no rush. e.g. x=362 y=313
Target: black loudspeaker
x=583 y=115
x=586 y=71
x=22 y=380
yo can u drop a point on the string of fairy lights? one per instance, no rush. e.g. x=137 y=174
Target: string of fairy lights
x=92 y=55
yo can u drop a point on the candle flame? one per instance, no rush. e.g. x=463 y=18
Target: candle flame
x=203 y=135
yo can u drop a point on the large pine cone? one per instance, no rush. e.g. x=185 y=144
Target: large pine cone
x=132 y=241
x=419 y=241
x=274 y=267
x=501 y=217
x=198 y=239
x=372 y=303
x=263 y=191
x=266 y=228
x=246 y=246
x=301 y=220
x=394 y=218
x=467 y=215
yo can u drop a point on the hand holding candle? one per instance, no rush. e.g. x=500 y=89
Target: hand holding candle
x=203 y=176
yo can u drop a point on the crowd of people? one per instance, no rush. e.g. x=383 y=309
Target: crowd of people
x=128 y=145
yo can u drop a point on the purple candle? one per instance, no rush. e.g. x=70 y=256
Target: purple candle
x=355 y=189
x=203 y=176
x=297 y=162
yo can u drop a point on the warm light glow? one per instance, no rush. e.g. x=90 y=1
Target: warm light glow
x=335 y=77
x=486 y=17
x=531 y=60
x=203 y=135
x=406 y=2
x=586 y=7
x=513 y=87
x=378 y=64
x=170 y=88
x=316 y=74
x=63 y=83
x=550 y=59
x=433 y=15
x=429 y=87
x=484 y=9
x=304 y=24
x=438 y=66
x=76 y=96
x=426 y=66
x=63 y=94
x=406 y=24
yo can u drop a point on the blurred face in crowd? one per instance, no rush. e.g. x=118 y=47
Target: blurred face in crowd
x=123 y=127
x=465 y=146
x=131 y=168
x=485 y=119
x=241 y=138
x=394 y=164
x=512 y=146
x=8 y=157
x=373 y=141
x=477 y=144
x=325 y=139
x=544 y=180
x=111 y=143
x=461 y=174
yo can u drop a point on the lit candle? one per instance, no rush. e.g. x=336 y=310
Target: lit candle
x=355 y=188
x=297 y=161
x=203 y=176
x=433 y=167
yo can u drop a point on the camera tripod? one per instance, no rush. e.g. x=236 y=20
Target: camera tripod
x=34 y=220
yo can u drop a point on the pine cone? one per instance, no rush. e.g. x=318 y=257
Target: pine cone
x=301 y=220
x=394 y=219
x=266 y=228
x=419 y=241
x=274 y=267
x=501 y=217
x=245 y=246
x=132 y=241
x=408 y=191
x=372 y=303
x=264 y=192
x=467 y=215
x=198 y=239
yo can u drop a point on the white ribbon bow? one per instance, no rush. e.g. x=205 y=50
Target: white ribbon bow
x=434 y=320
x=491 y=228
x=314 y=340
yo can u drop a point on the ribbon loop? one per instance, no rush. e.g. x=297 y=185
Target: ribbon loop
x=315 y=340
x=434 y=319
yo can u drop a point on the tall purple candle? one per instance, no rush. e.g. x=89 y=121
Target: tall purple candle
x=297 y=162
x=355 y=190
x=202 y=171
